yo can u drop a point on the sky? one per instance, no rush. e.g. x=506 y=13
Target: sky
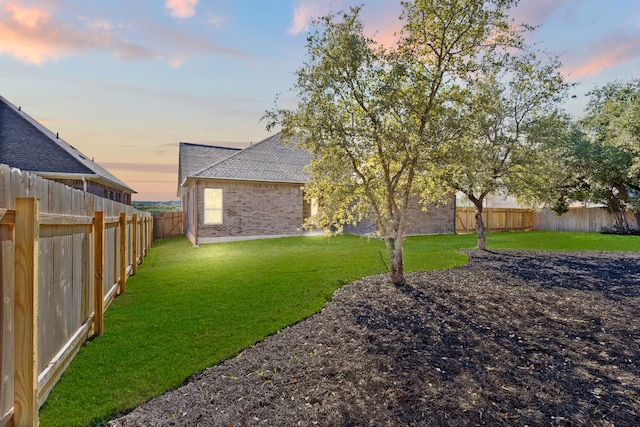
x=126 y=81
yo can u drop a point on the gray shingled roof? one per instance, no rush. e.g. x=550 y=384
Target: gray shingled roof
x=195 y=157
x=27 y=145
x=270 y=160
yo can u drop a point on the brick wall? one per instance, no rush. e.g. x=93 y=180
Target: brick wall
x=437 y=219
x=253 y=209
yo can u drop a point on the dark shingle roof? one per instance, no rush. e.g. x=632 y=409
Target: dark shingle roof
x=270 y=160
x=195 y=157
x=27 y=145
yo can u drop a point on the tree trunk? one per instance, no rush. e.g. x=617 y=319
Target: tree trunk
x=480 y=231
x=394 y=247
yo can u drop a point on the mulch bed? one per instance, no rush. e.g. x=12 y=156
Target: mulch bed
x=514 y=338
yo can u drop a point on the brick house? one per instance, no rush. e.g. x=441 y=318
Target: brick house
x=232 y=194
x=27 y=145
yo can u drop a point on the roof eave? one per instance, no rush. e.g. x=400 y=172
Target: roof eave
x=91 y=177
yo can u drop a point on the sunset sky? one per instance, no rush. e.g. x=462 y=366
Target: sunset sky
x=126 y=81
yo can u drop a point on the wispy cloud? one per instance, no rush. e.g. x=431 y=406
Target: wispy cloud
x=45 y=32
x=538 y=11
x=305 y=13
x=380 y=19
x=616 y=49
x=181 y=8
x=33 y=35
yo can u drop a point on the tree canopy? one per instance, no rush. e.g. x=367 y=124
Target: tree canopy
x=380 y=122
x=601 y=153
x=504 y=128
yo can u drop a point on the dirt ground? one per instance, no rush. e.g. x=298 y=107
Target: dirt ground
x=515 y=338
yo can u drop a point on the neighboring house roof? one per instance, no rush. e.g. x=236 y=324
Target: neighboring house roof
x=270 y=160
x=27 y=145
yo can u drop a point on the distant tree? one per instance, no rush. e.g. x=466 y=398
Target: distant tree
x=507 y=119
x=602 y=154
x=379 y=122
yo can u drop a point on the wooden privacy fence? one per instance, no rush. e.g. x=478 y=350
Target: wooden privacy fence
x=169 y=224
x=494 y=219
x=64 y=255
x=578 y=219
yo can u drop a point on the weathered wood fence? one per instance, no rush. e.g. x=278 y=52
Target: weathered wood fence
x=580 y=219
x=577 y=219
x=494 y=219
x=64 y=255
x=169 y=224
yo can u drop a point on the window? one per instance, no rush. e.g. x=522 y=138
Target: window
x=213 y=205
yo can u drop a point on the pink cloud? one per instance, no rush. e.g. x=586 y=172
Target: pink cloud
x=610 y=52
x=304 y=13
x=381 y=21
x=32 y=35
x=27 y=17
x=181 y=8
x=36 y=35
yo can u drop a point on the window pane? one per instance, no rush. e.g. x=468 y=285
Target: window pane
x=213 y=216
x=213 y=198
x=213 y=206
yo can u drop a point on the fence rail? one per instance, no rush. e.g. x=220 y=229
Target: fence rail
x=65 y=255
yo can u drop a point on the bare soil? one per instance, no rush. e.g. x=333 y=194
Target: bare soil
x=514 y=338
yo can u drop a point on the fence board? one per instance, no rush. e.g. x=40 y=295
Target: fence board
x=25 y=310
x=6 y=328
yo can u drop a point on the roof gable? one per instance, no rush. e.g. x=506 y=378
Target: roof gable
x=270 y=160
x=195 y=157
x=27 y=145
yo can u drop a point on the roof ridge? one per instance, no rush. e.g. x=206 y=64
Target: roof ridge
x=196 y=144
x=219 y=162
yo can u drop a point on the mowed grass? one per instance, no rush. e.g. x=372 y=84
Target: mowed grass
x=189 y=308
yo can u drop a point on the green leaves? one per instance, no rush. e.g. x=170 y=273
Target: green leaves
x=381 y=123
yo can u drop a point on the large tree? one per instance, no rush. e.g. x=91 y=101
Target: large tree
x=379 y=122
x=602 y=154
x=507 y=120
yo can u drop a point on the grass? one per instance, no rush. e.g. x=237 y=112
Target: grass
x=190 y=308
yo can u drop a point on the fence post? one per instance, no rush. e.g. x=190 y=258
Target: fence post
x=122 y=224
x=143 y=239
x=134 y=242
x=27 y=234
x=98 y=279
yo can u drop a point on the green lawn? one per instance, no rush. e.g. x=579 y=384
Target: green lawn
x=189 y=308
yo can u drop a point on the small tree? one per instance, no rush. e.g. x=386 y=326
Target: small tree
x=506 y=122
x=379 y=122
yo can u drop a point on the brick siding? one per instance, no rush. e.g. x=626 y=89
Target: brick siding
x=253 y=209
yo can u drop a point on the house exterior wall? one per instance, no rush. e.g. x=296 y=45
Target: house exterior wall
x=250 y=209
x=436 y=219
x=98 y=189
